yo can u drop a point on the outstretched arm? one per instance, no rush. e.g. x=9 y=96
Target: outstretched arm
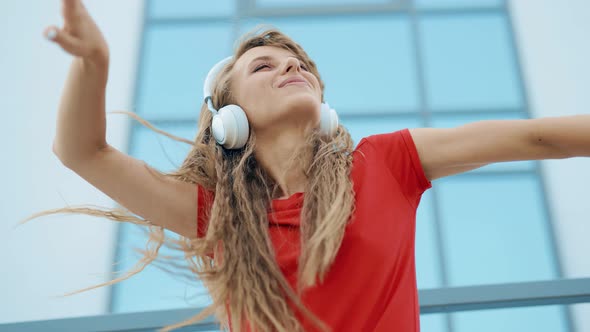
x=448 y=151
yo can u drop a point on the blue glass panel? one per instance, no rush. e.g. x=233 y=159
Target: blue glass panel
x=423 y=4
x=160 y=151
x=363 y=126
x=154 y=289
x=495 y=229
x=538 y=319
x=367 y=62
x=447 y=121
x=469 y=62
x=428 y=273
x=189 y=8
x=433 y=322
x=300 y=3
x=175 y=62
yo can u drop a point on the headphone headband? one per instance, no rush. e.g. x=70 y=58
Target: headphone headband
x=213 y=72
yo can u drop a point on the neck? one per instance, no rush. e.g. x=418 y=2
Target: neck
x=282 y=157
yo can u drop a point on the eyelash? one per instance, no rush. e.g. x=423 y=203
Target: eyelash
x=266 y=64
x=262 y=66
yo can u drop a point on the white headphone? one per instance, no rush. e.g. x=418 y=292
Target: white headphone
x=230 y=125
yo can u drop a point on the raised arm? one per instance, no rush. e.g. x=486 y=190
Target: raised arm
x=449 y=151
x=80 y=141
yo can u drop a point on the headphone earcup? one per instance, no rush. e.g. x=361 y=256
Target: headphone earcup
x=328 y=120
x=230 y=127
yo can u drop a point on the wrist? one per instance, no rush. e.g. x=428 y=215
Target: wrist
x=95 y=65
x=98 y=61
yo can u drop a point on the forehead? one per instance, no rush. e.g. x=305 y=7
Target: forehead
x=253 y=53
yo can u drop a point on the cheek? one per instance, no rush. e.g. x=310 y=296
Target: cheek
x=256 y=112
x=257 y=94
x=316 y=85
x=254 y=94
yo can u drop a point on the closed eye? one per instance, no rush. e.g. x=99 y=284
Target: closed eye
x=303 y=66
x=261 y=66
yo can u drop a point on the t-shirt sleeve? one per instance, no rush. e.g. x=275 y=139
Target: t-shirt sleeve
x=204 y=203
x=399 y=153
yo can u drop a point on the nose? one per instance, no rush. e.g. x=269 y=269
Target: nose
x=292 y=63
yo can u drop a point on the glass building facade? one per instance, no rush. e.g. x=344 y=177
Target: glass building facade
x=387 y=65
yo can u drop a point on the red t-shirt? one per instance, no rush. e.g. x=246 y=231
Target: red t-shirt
x=371 y=285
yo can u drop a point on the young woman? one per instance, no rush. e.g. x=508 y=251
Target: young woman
x=289 y=226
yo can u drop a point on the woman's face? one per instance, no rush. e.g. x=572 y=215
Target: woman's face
x=260 y=83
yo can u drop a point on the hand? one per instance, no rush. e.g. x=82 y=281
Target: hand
x=80 y=35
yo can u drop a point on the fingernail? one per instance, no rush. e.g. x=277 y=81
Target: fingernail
x=51 y=33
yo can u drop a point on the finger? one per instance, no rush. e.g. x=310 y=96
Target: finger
x=72 y=9
x=63 y=39
x=71 y=5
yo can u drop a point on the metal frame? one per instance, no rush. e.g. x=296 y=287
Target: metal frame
x=508 y=295
x=444 y=300
x=549 y=226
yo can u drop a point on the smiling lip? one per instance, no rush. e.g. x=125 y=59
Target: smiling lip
x=295 y=79
x=295 y=83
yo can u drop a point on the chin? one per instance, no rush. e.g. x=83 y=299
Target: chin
x=304 y=104
x=301 y=108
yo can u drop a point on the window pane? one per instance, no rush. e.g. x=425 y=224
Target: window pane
x=174 y=67
x=469 y=62
x=300 y=3
x=447 y=121
x=422 y=4
x=433 y=322
x=495 y=229
x=538 y=319
x=160 y=151
x=427 y=255
x=188 y=8
x=428 y=273
x=153 y=289
x=366 y=62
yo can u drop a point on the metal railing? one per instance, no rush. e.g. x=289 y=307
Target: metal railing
x=441 y=300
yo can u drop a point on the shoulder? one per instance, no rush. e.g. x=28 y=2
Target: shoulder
x=394 y=154
x=385 y=145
